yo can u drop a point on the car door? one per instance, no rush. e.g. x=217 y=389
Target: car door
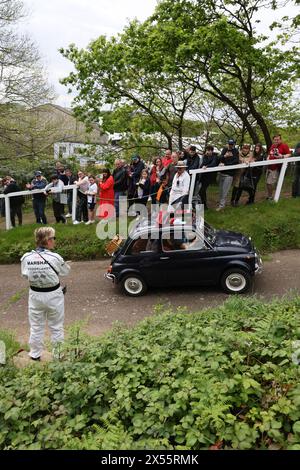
x=143 y=256
x=192 y=263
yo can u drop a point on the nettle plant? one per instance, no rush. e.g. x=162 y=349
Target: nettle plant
x=223 y=378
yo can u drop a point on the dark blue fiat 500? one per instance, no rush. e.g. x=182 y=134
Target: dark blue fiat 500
x=183 y=256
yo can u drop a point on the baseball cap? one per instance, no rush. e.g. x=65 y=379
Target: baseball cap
x=231 y=141
x=38 y=173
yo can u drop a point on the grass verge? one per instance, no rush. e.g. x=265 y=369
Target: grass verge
x=272 y=226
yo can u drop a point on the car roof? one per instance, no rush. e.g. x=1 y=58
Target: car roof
x=147 y=229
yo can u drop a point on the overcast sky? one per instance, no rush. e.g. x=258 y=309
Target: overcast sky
x=57 y=23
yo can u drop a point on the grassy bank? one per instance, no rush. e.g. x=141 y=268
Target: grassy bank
x=225 y=378
x=272 y=226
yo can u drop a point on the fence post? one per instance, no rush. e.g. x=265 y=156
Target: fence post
x=74 y=203
x=7 y=213
x=280 y=181
x=192 y=188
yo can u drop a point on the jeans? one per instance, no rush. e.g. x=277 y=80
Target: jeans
x=118 y=194
x=224 y=185
x=39 y=210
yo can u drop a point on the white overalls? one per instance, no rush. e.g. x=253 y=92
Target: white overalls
x=46 y=299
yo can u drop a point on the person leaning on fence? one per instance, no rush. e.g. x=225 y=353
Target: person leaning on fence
x=39 y=199
x=81 y=209
x=229 y=156
x=277 y=150
x=251 y=176
x=134 y=173
x=171 y=170
x=106 y=207
x=210 y=160
x=16 y=202
x=42 y=268
x=245 y=156
x=55 y=188
x=120 y=183
x=162 y=196
x=180 y=187
x=70 y=179
x=91 y=199
x=2 y=200
x=296 y=182
x=143 y=189
x=156 y=173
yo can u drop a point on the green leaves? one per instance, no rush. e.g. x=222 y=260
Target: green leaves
x=176 y=380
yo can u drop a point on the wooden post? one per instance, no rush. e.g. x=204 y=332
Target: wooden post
x=192 y=188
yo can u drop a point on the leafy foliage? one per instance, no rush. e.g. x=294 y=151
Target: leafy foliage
x=185 y=53
x=176 y=381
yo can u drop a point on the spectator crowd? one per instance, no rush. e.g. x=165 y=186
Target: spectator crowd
x=166 y=179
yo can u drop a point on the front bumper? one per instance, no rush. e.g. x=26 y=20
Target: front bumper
x=110 y=276
x=258 y=265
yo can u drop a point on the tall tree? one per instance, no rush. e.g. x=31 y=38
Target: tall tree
x=22 y=77
x=214 y=46
x=21 y=73
x=115 y=71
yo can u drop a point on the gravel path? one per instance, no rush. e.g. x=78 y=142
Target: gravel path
x=93 y=299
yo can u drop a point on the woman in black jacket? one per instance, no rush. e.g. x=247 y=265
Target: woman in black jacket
x=210 y=159
x=251 y=176
x=16 y=202
x=143 y=189
x=296 y=182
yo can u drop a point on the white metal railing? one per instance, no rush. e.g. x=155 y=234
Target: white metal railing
x=284 y=161
x=193 y=173
x=6 y=197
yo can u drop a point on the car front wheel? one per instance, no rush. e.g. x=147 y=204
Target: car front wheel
x=133 y=285
x=236 y=281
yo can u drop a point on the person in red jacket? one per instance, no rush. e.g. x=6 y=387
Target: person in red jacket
x=106 y=186
x=277 y=150
x=167 y=159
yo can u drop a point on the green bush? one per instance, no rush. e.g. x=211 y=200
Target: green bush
x=228 y=377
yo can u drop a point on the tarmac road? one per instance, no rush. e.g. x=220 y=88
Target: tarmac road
x=92 y=298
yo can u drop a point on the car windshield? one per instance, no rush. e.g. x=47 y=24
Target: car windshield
x=210 y=233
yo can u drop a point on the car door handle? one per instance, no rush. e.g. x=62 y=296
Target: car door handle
x=164 y=257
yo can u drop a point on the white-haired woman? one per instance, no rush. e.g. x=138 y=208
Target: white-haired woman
x=42 y=267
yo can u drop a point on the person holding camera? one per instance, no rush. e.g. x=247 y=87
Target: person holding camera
x=42 y=268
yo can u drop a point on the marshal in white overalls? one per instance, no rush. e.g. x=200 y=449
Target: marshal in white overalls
x=46 y=299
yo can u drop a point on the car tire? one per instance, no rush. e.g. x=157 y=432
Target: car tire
x=236 y=281
x=133 y=285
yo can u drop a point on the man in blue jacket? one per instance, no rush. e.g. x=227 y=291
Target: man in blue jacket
x=39 y=199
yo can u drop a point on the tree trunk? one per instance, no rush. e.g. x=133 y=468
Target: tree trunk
x=180 y=146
